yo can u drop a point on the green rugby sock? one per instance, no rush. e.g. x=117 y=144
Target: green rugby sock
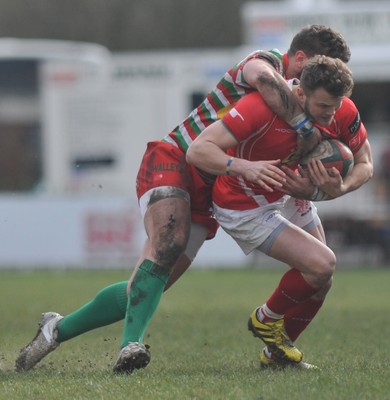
x=108 y=306
x=145 y=295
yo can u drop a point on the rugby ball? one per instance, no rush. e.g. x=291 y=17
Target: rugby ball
x=332 y=153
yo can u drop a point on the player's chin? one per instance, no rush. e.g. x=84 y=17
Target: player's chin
x=326 y=121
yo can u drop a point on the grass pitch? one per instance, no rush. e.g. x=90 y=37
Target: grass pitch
x=200 y=346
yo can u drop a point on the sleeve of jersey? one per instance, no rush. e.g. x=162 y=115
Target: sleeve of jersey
x=247 y=117
x=268 y=56
x=353 y=131
x=274 y=58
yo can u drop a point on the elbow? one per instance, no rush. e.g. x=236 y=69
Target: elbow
x=259 y=74
x=369 y=169
x=371 y=172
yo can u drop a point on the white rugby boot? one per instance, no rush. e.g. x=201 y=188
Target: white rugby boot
x=135 y=355
x=43 y=343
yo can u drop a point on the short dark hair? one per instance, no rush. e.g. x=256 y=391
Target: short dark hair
x=329 y=73
x=320 y=39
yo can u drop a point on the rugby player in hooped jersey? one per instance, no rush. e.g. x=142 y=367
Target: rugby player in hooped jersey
x=243 y=148
x=176 y=202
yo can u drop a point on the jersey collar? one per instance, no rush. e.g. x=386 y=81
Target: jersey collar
x=286 y=63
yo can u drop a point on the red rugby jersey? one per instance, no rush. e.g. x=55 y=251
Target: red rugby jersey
x=264 y=136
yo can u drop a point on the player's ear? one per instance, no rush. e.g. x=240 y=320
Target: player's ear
x=300 y=59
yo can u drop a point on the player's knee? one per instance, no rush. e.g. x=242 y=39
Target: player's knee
x=168 y=225
x=170 y=244
x=169 y=253
x=325 y=269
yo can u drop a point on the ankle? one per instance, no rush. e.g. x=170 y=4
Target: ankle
x=263 y=314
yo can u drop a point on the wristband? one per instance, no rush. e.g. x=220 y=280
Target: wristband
x=228 y=164
x=319 y=195
x=315 y=194
x=302 y=125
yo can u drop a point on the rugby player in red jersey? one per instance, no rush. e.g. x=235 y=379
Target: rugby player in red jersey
x=250 y=204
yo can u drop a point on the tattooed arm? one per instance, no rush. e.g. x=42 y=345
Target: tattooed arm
x=273 y=88
x=279 y=97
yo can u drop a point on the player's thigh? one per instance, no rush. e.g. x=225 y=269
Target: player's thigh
x=303 y=251
x=318 y=232
x=303 y=213
x=163 y=166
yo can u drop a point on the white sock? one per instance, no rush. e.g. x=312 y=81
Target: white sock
x=264 y=311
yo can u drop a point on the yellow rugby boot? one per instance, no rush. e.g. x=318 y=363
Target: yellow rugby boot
x=274 y=335
x=273 y=362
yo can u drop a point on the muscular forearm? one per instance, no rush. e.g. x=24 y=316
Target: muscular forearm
x=360 y=174
x=278 y=95
x=212 y=159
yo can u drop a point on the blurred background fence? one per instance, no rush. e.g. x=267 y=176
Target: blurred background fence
x=84 y=86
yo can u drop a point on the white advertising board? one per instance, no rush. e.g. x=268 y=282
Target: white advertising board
x=40 y=232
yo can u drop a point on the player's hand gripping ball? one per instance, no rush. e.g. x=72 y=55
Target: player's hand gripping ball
x=332 y=153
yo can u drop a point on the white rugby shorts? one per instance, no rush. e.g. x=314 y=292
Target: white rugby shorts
x=259 y=227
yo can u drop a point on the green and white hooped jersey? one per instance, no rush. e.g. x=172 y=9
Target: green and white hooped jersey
x=221 y=99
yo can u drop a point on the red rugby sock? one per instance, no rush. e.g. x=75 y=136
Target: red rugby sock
x=292 y=290
x=299 y=317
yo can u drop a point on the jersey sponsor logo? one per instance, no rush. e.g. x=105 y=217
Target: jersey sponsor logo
x=354 y=127
x=234 y=113
x=168 y=167
x=284 y=130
